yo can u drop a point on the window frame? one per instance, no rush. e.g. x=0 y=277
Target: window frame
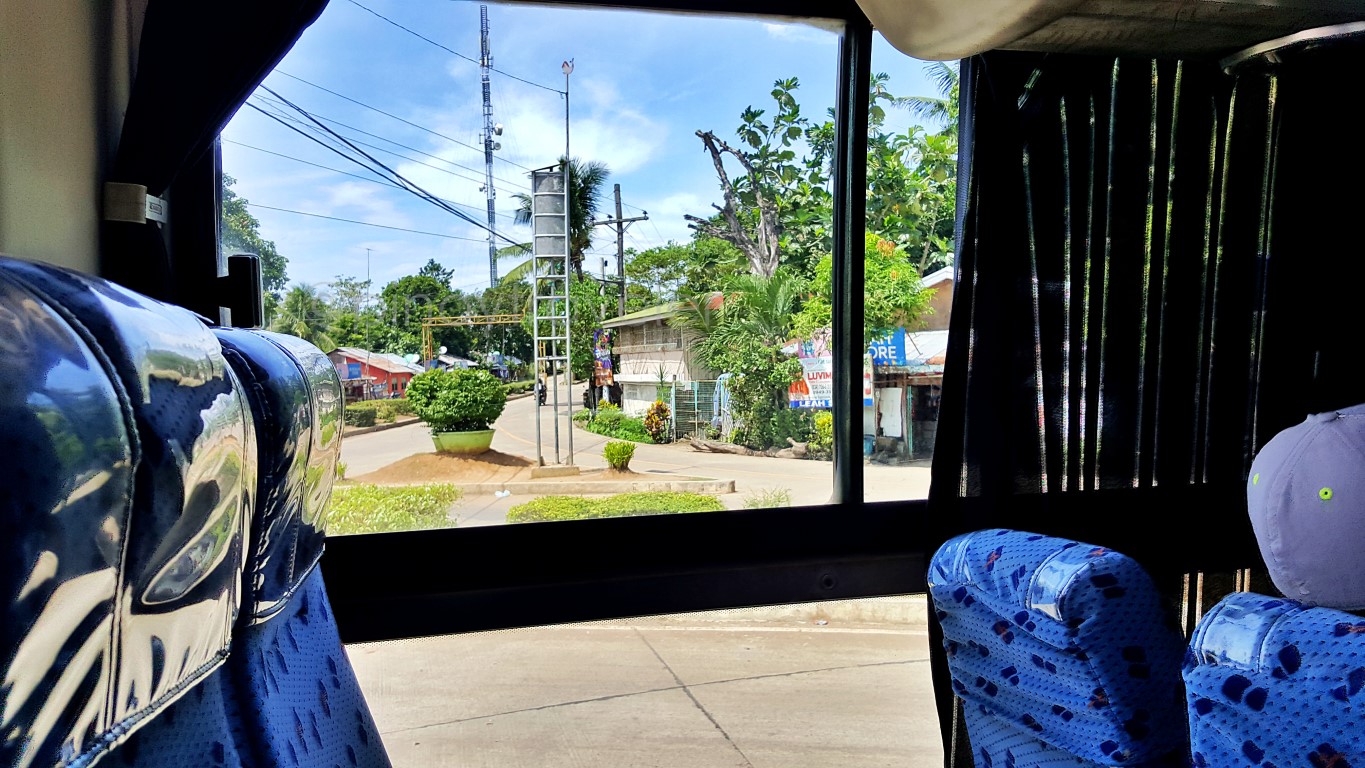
x=423 y=583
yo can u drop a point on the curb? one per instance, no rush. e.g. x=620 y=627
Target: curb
x=581 y=487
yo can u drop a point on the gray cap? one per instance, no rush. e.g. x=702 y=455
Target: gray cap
x=1306 y=497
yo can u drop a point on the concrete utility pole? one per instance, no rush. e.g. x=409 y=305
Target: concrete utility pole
x=621 y=226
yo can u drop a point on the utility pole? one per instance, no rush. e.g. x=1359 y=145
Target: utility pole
x=621 y=225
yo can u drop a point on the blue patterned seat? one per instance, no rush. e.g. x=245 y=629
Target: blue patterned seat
x=1272 y=682
x=1275 y=682
x=1063 y=653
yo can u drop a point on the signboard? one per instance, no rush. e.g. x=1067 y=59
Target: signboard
x=603 y=375
x=353 y=370
x=815 y=388
x=867 y=380
x=890 y=349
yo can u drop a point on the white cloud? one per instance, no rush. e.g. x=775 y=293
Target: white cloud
x=364 y=202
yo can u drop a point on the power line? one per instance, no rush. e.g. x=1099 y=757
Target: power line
x=453 y=52
x=388 y=172
x=352 y=175
x=366 y=223
x=310 y=127
x=395 y=117
x=363 y=132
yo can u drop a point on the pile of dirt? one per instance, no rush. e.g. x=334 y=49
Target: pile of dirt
x=488 y=467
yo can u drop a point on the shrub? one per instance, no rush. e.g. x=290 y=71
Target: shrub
x=618 y=454
x=606 y=421
x=582 y=417
x=357 y=415
x=380 y=509
x=466 y=400
x=555 y=508
x=822 y=442
x=656 y=421
x=764 y=498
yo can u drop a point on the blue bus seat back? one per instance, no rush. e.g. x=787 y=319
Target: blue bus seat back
x=298 y=693
x=125 y=529
x=1270 y=681
x=1067 y=643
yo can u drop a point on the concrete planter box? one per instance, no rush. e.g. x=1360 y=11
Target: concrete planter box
x=466 y=443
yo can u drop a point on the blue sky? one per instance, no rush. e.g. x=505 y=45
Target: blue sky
x=643 y=83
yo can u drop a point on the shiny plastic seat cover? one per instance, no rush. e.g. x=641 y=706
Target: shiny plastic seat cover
x=1062 y=653
x=123 y=516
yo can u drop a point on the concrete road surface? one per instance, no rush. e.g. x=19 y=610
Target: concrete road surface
x=718 y=690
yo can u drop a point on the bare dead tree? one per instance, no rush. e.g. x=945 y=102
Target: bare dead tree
x=761 y=251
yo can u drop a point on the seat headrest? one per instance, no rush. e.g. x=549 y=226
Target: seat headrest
x=1306 y=497
x=295 y=397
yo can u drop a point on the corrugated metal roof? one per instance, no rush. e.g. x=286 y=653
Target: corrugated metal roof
x=381 y=360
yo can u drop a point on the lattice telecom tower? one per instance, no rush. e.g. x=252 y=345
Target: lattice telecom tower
x=550 y=298
x=490 y=129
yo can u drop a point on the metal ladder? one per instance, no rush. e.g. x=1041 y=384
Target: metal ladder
x=550 y=271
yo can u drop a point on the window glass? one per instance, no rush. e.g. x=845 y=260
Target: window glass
x=821 y=684
x=908 y=267
x=393 y=205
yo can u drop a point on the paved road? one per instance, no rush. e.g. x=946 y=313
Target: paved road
x=804 y=481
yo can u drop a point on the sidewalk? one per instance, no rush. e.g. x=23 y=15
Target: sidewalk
x=837 y=685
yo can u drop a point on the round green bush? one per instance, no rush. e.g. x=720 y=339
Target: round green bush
x=618 y=454
x=466 y=400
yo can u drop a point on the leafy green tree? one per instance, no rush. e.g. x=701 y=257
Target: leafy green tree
x=433 y=269
x=772 y=189
x=586 y=181
x=893 y=296
x=240 y=232
x=404 y=303
x=942 y=108
x=305 y=314
x=509 y=297
x=742 y=331
x=669 y=272
x=353 y=321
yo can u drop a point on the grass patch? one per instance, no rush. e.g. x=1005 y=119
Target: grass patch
x=765 y=498
x=385 y=509
x=556 y=508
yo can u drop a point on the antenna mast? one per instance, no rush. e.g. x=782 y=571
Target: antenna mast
x=489 y=131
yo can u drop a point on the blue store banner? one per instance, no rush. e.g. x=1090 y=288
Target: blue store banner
x=890 y=349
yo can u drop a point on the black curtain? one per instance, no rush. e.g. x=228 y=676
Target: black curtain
x=1154 y=279
x=196 y=65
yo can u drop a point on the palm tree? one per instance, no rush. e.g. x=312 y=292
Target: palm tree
x=586 y=179
x=304 y=314
x=942 y=108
